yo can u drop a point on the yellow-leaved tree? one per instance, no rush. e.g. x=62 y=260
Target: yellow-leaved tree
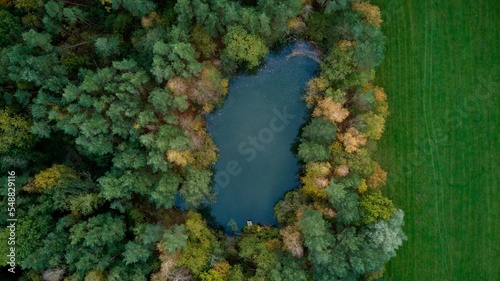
x=369 y=13
x=352 y=139
x=330 y=110
x=50 y=178
x=316 y=179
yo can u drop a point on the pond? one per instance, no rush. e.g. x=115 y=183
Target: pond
x=254 y=131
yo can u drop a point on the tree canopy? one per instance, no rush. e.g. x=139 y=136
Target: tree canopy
x=102 y=119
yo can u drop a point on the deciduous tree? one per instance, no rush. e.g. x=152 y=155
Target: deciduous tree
x=292 y=240
x=352 y=139
x=373 y=206
x=378 y=177
x=50 y=178
x=370 y=13
x=14 y=131
x=311 y=151
x=242 y=46
x=321 y=131
x=330 y=110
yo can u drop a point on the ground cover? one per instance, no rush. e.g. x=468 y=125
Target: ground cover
x=440 y=148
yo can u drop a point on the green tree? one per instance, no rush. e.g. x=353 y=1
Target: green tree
x=203 y=42
x=201 y=244
x=262 y=253
x=319 y=28
x=137 y=8
x=95 y=242
x=107 y=47
x=174 y=59
x=242 y=46
x=311 y=151
x=142 y=248
x=321 y=131
x=374 y=206
x=175 y=239
x=344 y=201
x=289 y=269
x=10 y=28
x=213 y=14
x=277 y=13
x=285 y=210
x=318 y=239
x=196 y=188
x=386 y=236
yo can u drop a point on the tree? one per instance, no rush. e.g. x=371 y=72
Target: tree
x=369 y=12
x=137 y=8
x=335 y=5
x=311 y=151
x=213 y=14
x=181 y=158
x=340 y=67
x=344 y=200
x=203 y=42
x=386 y=236
x=341 y=171
x=50 y=178
x=150 y=20
x=197 y=187
x=14 y=131
x=174 y=59
x=209 y=87
x=167 y=270
x=315 y=179
x=219 y=272
x=289 y=269
x=285 y=210
x=28 y=4
x=244 y=47
x=10 y=28
x=262 y=250
x=352 y=139
x=164 y=194
x=370 y=52
x=200 y=244
x=106 y=47
x=373 y=206
x=319 y=27
x=279 y=13
x=375 y=125
x=95 y=241
x=321 y=131
x=378 y=178
x=292 y=240
x=330 y=110
x=315 y=87
x=141 y=249
x=358 y=163
x=318 y=239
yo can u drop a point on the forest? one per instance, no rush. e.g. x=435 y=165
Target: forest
x=102 y=122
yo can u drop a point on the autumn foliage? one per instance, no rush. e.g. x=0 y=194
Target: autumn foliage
x=378 y=178
x=370 y=13
x=352 y=139
x=330 y=110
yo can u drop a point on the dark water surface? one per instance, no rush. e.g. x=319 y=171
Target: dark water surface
x=254 y=131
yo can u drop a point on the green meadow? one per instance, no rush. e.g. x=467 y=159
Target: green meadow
x=442 y=139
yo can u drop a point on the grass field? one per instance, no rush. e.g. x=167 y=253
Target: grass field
x=442 y=141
